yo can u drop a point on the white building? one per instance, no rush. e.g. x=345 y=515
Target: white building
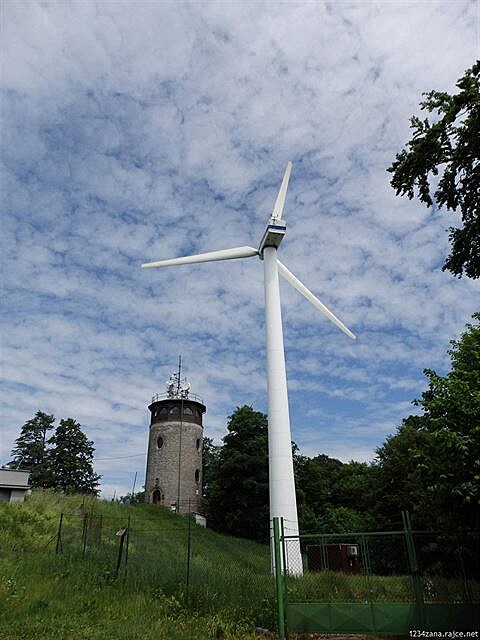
x=13 y=484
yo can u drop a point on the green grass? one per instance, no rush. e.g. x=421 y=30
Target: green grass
x=78 y=596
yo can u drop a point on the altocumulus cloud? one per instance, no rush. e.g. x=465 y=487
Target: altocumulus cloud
x=138 y=131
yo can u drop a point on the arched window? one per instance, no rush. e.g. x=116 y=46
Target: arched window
x=199 y=444
x=159 y=442
x=197 y=475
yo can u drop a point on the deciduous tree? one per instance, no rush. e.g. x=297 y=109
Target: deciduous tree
x=210 y=456
x=333 y=496
x=238 y=500
x=448 y=146
x=432 y=464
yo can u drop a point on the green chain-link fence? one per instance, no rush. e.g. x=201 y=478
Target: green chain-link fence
x=208 y=571
x=372 y=582
x=378 y=582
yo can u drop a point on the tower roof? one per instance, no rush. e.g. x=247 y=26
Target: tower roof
x=165 y=409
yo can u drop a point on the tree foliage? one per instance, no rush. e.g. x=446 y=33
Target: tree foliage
x=332 y=495
x=238 y=498
x=63 y=461
x=30 y=450
x=449 y=146
x=432 y=464
x=70 y=459
x=396 y=483
x=137 y=498
x=210 y=454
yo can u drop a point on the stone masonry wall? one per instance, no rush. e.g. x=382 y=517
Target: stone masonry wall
x=163 y=464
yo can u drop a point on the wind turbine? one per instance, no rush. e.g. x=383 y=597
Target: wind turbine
x=283 y=501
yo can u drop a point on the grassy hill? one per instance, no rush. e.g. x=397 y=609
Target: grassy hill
x=171 y=583
x=175 y=581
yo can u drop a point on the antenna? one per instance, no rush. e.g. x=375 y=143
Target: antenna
x=176 y=386
x=179 y=375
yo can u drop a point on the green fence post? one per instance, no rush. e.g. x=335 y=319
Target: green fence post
x=367 y=572
x=189 y=548
x=126 y=544
x=279 y=579
x=121 y=533
x=284 y=560
x=86 y=523
x=414 y=568
x=58 y=547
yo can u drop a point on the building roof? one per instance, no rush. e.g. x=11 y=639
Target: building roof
x=14 y=478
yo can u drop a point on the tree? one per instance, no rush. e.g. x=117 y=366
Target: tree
x=333 y=496
x=450 y=145
x=137 y=498
x=238 y=500
x=450 y=465
x=397 y=486
x=314 y=477
x=30 y=450
x=432 y=464
x=70 y=459
x=341 y=520
x=210 y=455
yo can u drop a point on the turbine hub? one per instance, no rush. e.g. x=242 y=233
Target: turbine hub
x=273 y=235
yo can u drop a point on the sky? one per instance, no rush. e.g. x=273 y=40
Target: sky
x=137 y=131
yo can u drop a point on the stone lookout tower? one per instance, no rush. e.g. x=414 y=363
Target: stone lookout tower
x=174 y=461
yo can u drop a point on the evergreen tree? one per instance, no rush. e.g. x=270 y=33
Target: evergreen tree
x=30 y=450
x=238 y=501
x=71 y=458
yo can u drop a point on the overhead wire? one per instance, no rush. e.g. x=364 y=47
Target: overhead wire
x=134 y=455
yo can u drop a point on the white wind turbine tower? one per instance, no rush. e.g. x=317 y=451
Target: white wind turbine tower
x=283 y=501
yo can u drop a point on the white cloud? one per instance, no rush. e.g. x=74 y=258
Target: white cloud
x=137 y=131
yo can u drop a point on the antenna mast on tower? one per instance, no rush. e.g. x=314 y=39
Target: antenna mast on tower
x=179 y=374
x=177 y=387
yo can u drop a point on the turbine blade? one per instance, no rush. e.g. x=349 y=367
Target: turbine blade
x=280 y=201
x=211 y=256
x=295 y=282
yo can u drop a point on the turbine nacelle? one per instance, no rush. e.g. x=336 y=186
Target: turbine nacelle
x=276 y=227
x=273 y=235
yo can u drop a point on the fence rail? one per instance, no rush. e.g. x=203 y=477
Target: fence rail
x=204 y=570
x=386 y=582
